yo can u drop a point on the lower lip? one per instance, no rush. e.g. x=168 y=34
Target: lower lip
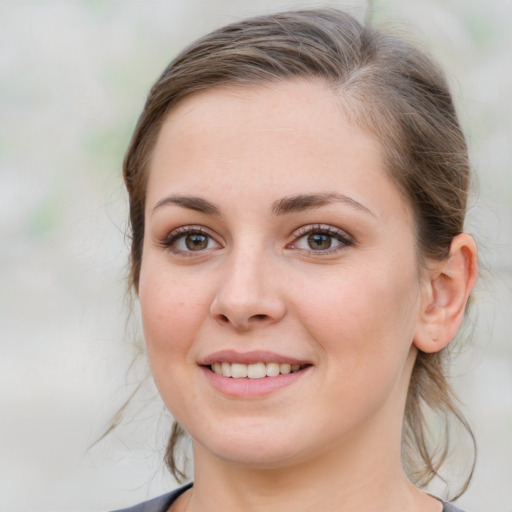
x=251 y=388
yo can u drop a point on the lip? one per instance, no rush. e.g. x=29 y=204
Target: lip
x=252 y=357
x=251 y=388
x=246 y=388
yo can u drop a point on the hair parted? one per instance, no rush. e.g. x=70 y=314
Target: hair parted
x=388 y=87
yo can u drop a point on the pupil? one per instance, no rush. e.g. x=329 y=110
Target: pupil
x=319 y=241
x=196 y=242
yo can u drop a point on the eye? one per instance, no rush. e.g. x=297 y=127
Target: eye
x=321 y=239
x=189 y=239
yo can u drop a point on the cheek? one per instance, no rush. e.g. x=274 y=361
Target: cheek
x=362 y=316
x=171 y=313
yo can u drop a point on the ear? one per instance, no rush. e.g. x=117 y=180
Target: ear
x=445 y=295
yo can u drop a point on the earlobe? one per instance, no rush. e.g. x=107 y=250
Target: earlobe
x=446 y=294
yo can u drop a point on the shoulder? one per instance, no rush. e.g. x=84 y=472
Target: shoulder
x=159 y=504
x=448 y=507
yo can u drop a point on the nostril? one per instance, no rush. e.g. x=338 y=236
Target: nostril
x=224 y=318
x=259 y=317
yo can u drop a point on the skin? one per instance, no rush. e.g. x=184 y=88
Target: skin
x=355 y=312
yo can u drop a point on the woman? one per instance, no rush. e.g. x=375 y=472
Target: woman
x=298 y=186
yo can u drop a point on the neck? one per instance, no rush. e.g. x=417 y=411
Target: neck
x=329 y=482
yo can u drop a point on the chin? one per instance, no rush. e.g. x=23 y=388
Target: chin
x=255 y=457
x=265 y=446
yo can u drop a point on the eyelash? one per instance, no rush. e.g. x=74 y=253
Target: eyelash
x=182 y=232
x=344 y=239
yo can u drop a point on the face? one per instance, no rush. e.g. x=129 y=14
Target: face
x=279 y=285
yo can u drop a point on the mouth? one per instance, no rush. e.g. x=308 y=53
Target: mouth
x=252 y=374
x=259 y=370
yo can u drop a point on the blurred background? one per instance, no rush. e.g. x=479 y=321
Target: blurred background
x=73 y=78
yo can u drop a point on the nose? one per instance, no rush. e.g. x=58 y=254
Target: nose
x=248 y=293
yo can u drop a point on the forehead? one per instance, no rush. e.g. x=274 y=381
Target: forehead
x=288 y=114
x=280 y=138
x=302 y=107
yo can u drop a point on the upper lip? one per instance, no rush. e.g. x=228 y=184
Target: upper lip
x=254 y=356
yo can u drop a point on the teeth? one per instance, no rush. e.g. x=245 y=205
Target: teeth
x=257 y=371
x=226 y=369
x=272 y=369
x=253 y=371
x=285 y=368
x=238 y=371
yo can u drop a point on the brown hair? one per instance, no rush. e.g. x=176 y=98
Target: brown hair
x=388 y=87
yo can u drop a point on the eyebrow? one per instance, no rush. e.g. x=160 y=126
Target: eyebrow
x=300 y=202
x=303 y=202
x=195 y=203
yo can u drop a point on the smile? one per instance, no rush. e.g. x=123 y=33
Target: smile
x=254 y=370
x=252 y=374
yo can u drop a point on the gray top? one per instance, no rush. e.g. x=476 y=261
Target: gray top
x=162 y=503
